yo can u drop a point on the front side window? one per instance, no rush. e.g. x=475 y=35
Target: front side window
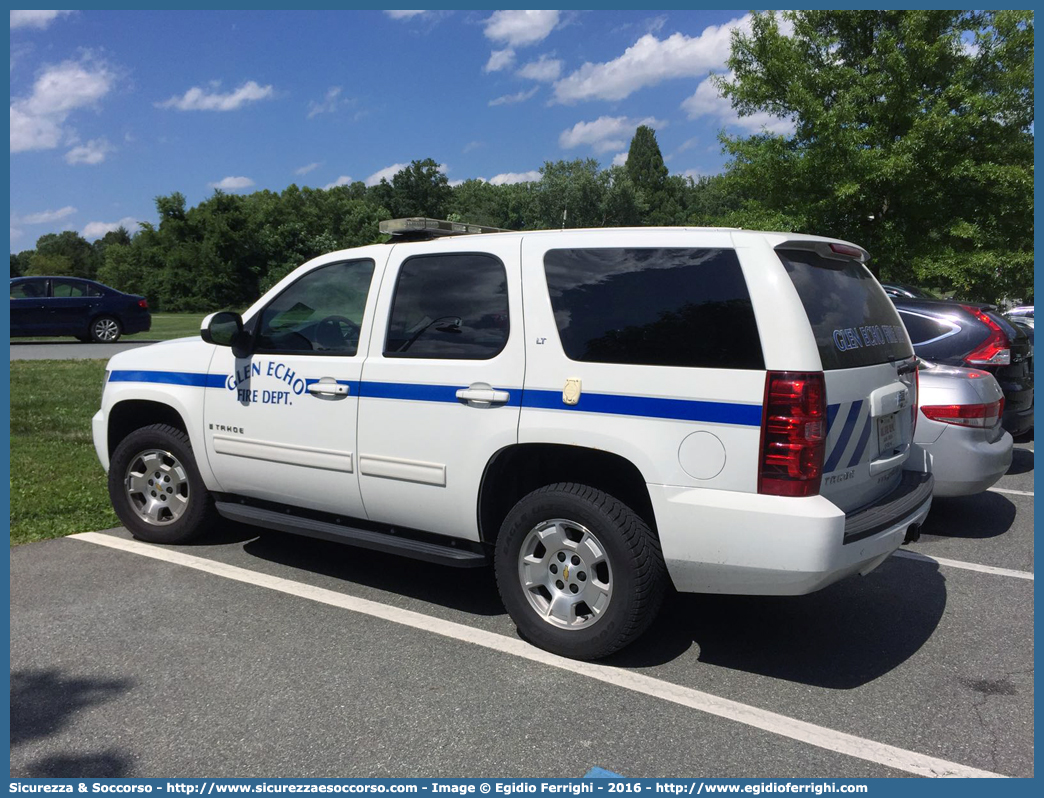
x=29 y=289
x=452 y=307
x=321 y=313
x=653 y=307
x=68 y=288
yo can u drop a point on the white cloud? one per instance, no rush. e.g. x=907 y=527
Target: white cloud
x=197 y=99
x=231 y=183
x=650 y=61
x=455 y=183
x=521 y=28
x=387 y=173
x=343 y=180
x=605 y=133
x=544 y=69
x=620 y=158
x=515 y=177
x=15 y=233
x=707 y=102
x=95 y=230
x=695 y=174
x=93 y=152
x=47 y=217
x=306 y=169
x=37 y=120
x=500 y=59
x=511 y=99
x=329 y=104
x=404 y=14
x=35 y=19
x=473 y=145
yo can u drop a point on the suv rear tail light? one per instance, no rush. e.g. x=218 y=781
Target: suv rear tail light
x=985 y=416
x=995 y=350
x=793 y=433
x=143 y=303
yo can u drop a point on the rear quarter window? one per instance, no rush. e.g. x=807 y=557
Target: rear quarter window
x=653 y=307
x=854 y=322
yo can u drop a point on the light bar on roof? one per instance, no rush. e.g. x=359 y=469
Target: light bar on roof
x=422 y=227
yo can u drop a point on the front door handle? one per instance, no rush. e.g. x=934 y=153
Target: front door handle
x=327 y=386
x=481 y=394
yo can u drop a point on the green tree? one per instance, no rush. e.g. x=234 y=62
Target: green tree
x=420 y=189
x=912 y=136
x=67 y=251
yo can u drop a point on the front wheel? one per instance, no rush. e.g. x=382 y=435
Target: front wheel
x=155 y=487
x=580 y=573
x=106 y=330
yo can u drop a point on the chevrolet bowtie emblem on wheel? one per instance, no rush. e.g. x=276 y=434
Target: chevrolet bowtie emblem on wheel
x=565 y=572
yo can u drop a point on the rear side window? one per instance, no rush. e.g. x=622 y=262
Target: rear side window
x=922 y=329
x=452 y=307
x=854 y=321
x=653 y=307
x=68 y=288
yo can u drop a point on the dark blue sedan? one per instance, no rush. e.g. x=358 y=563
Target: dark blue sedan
x=84 y=309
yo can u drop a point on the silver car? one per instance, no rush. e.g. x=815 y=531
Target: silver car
x=958 y=429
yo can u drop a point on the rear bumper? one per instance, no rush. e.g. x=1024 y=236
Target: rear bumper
x=138 y=323
x=964 y=464
x=740 y=543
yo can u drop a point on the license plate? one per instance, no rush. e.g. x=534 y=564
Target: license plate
x=888 y=433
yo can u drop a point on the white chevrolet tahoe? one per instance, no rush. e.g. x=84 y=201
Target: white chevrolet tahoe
x=599 y=413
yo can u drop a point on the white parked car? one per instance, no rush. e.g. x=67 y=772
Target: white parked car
x=959 y=429
x=596 y=412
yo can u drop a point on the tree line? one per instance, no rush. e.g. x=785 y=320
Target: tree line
x=912 y=135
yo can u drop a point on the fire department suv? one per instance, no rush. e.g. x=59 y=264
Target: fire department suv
x=599 y=413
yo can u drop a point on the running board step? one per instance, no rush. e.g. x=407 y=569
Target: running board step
x=339 y=533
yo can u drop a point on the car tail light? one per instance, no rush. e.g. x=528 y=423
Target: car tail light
x=983 y=415
x=143 y=303
x=793 y=433
x=995 y=350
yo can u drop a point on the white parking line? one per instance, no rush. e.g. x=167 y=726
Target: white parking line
x=1014 y=492
x=819 y=736
x=967 y=566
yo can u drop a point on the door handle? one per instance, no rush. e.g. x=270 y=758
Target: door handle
x=327 y=386
x=482 y=395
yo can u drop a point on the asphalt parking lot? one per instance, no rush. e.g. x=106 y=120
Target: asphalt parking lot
x=261 y=654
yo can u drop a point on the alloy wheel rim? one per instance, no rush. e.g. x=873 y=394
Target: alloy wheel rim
x=157 y=487
x=565 y=574
x=106 y=329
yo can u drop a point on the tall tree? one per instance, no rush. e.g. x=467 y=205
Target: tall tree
x=912 y=136
x=421 y=189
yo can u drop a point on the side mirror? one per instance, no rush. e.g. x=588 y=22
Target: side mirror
x=225 y=328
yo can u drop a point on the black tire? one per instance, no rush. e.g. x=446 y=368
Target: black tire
x=197 y=516
x=83 y=339
x=106 y=330
x=639 y=576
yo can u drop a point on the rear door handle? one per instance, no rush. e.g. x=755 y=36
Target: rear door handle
x=327 y=386
x=482 y=395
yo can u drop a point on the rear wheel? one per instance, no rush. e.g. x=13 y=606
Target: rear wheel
x=106 y=330
x=580 y=573
x=155 y=487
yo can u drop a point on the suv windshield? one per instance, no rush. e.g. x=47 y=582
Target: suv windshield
x=854 y=321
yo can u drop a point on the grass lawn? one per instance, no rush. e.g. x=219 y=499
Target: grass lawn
x=170 y=325
x=57 y=485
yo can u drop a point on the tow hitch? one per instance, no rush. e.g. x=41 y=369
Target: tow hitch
x=913 y=534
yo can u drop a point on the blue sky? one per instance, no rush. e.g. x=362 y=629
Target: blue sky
x=111 y=108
